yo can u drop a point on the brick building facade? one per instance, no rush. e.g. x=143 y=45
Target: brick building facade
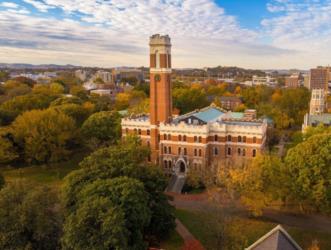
x=197 y=140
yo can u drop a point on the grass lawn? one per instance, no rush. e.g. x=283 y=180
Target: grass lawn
x=242 y=232
x=174 y=242
x=51 y=174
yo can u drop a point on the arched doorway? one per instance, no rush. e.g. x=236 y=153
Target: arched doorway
x=181 y=167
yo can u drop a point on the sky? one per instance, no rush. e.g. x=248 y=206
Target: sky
x=256 y=34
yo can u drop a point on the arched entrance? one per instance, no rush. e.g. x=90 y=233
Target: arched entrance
x=181 y=167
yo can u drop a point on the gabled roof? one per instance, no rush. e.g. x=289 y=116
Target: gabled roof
x=276 y=239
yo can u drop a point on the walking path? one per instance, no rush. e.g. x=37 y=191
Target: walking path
x=190 y=243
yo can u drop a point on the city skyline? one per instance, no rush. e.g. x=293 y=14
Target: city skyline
x=259 y=34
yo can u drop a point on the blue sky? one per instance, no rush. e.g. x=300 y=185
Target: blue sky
x=246 y=33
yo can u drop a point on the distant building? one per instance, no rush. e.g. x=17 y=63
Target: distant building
x=294 y=81
x=45 y=76
x=230 y=102
x=264 y=80
x=81 y=74
x=306 y=81
x=319 y=78
x=277 y=239
x=105 y=76
x=126 y=73
x=109 y=90
x=317 y=110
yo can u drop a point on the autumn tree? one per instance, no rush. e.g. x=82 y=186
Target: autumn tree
x=29 y=217
x=44 y=135
x=187 y=100
x=8 y=152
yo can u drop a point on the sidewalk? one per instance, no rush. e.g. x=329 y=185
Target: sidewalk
x=190 y=243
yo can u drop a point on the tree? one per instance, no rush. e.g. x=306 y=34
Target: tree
x=4 y=76
x=44 y=135
x=102 y=128
x=2 y=181
x=99 y=80
x=257 y=184
x=309 y=173
x=56 y=88
x=79 y=91
x=126 y=205
x=66 y=100
x=29 y=218
x=7 y=151
x=78 y=112
x=126 y=159
x=187 y=100
x=10 y=109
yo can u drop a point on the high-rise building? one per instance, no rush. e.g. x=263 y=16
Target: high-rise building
x=105 y=76
x=317 y=102
x=319 y=78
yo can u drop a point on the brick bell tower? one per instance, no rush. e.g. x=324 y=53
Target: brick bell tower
x=160 y=87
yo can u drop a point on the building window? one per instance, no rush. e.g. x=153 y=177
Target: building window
x=165 y=150
x=244 y=139
x=158 y=138
x=184 y=138
x=148 y=132
x=169 y=150
x=254 y=153
x=244 y=152
x=179 y=151
x=126 y=130
x=169 y=137
x=179 y=138
x=148 y=144
x=169 y=164
x=185 y=151
x=200 y=152
x=215 y=138
x=200 y=139
x=165 y=164
x=239 y=151
x=215 y=151
x=195 y=152
x=195 y=139
x=229 y=151
x=164 y=137
x=139 y=131
x=239 y=138
x=135 y=131
x=229 y=138
x=254 y=139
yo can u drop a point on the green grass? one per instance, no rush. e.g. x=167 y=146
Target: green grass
x=240 y=231
x=174 y=242
x=51 y=174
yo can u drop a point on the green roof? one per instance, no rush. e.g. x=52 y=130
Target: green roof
x=209 y=114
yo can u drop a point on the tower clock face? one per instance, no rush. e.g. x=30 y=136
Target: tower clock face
x=157 y=78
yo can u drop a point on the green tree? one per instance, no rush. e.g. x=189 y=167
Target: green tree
x=29 y=218
x=44 y=135
x=66 y=100
x=102 y=128
x=309 y=173
x=187 y=100
x=126 y=159
x=4 y=76
x=126 y=204
x=78 y=112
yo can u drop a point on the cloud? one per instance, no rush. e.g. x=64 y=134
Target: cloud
x=9 y=5
x=116 y=32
